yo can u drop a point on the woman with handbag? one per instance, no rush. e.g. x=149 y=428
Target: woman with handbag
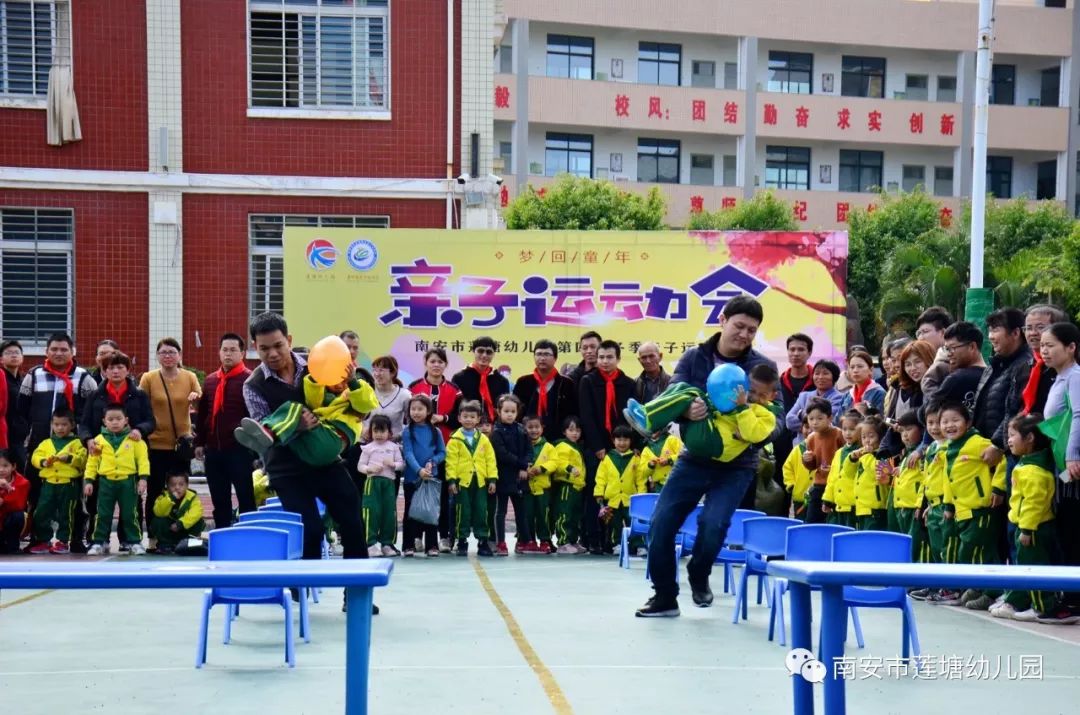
x=172 y=391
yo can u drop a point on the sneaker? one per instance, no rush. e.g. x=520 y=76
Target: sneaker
x=444 y=546
x=923 y=594
x=41 y=547
x=462 y=547
x=125 y=548
x=701 y=594
x=78 y=546
x=432 y=553
x=519 y=547
x=579 y=549
x=164 y=549
x=981 y=603
x=60 y=547
x=484 y=548
x=634 y=412
x=254 y=436
x=566 y=549
x=657 y=607
x=945 y=597
x=529 y=547
x=969 y=594
x=502 y=550
x=390 y=551
x=1028 y=616
x=1061 y=617
x=639 y=551
x=96 y=550
x=374 y=552
x=408 y=553
x=337 y=549
x=1005 y=610
x=137 y=549
x=546 y=547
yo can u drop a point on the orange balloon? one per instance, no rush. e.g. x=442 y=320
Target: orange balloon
x=328 y=361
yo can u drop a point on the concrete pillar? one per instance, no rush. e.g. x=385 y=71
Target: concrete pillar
x=746 y=167
x=1070 y=97
x=965 y=94
x=520 y=131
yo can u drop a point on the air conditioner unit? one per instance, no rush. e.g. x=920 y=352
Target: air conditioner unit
x=601 y=76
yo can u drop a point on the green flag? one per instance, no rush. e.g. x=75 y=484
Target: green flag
x=1057 y=429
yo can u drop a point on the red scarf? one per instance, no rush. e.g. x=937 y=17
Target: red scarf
x=485 y=391
x=1031 y=390
x=116 y=395
x=609 y=395
x=219 y=396
x=69 y=387
x=541 y=387
x=858 y=391
x=785 y=378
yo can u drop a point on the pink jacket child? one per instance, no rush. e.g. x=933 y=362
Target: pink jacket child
x=381 y=459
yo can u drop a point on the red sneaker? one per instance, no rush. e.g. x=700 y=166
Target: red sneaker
x=60 y=547
x=530 y=548
x=39 y=548
x=547 y=548
x=501 y=549
x=519 y=547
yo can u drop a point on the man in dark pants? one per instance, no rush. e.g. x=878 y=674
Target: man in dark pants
x=798 y=378
x=722 y=484
x=278 y=380
x=221 y=407
x=545 y=393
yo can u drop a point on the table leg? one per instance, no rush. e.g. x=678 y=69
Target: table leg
x=833 y=632
x=801 y=638
x=357 y=648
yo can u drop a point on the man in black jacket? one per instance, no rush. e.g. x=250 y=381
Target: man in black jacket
x=11 y=354
x=588 y=345
x=480 y=381
x=558 y=399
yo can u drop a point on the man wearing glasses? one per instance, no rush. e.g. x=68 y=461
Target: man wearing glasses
x=1037 y=319
x=930 y=327
x=479 y=381
x=963 y=346
x=545 y=393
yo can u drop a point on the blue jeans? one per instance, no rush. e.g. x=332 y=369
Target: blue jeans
x=723 y=486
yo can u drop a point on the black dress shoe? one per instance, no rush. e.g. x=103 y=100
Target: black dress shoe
x=702 y=595
x=659 y=607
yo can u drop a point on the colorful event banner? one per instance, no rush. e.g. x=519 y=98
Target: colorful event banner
x=405 y=290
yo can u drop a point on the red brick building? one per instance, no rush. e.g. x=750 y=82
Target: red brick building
x=206 y=127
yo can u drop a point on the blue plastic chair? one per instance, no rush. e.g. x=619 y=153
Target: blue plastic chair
x=295 y=530
x=808 y=542
x=732 y=554
x=271 y=507
x=254 y=543
x=641 y=509
x=764 y=537
x=879 y=547
x=276 y=514
x=273 y=501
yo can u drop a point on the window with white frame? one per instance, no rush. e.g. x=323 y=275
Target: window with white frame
x=36 y=277
x=266 y=240
x=33 y=35
x=320 y=54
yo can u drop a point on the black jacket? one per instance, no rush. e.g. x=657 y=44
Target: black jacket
x=18 y=427
x=512 y=454
x=999 y=396
x=136 y=403
x=468 y=381
x=561 y=402
x=591 y=402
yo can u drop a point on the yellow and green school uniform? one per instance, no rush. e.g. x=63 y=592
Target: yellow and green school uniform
x=470 y=463
x=797 y=479
x=120 y=462
x=907 y=496
x=59 y=487
x=185 y=512
x=664 y=451
x=1031 y=509
x=938 y=529
x=617 y=479
x=538 y=500
x=871 y=497
x=569 y=480
x=340 y=421
x=967 y=497
x=748 y=424
x=840 y=489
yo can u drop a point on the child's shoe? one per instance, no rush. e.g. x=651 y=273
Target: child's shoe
x=96 y=550
x=519 y=547
x=254 y=436
x=374 y=551
x=41 y=547
x=124 y=548
x=390 y=551
x=968 y=595
x=546 y=547
x=921 y=594
x=980 y=603
x=1028 y=616
x=566 y=549
x=502 y=550
x=634 y=412
x=484 y=548
x=444 y=546
x=944 y=597
x=408 y=553
x=137 y=549
x=579 y=549
x=531 y=548
x=462 y=547
x=1005 y=610
x=432 y=553
x=60 y=547
x=1063 y=616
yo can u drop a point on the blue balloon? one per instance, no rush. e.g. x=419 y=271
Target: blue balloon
x=723 y=386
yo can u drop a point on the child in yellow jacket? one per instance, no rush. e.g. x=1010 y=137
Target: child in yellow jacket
x=471 y=473
x=124 y=465
x=178 y=515
x=1031 y=509
x=60 y=461
x=797 y=476
x=861 y=467
x=658 y=459
x=838 y=501
x=907 y=487
x=617 y=479
x=545 y=463
x=569 y=481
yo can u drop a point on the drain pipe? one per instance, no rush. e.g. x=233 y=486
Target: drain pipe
x=449 y=113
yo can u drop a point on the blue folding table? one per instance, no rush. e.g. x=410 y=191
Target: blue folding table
x=831 y=577
x=358 y=576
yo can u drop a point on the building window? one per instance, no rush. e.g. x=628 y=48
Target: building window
x=36 y=277
x=1003 y=84
x=320 y=54
x=570 y=56
x=791 y=72
x=568 y=154
x=506 y=155
x=946 y=88
x=30 y=32
x=917 y=87
x=266 y=241
x=999 y=176
x=860 y=170
x=787 y=167
x=943 y=184
x=731 y=75
x=658 y=161
x=863 y=77
x=504 y=63
x=1050 y=87
x=703 y=74
x=914 y=177
x=1046 y=180
x=659 y=63
x=701 y=170
x=729 y=166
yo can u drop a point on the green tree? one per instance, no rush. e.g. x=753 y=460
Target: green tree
x=575 y=203
x=764 y=212
x=1054 y=271
x=932 y=270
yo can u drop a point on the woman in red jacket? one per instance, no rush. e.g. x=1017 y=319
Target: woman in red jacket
x=445 y=395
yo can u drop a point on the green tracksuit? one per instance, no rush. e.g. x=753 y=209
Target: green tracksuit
x=1043 y=540
x=317 y=447
x=472 y=509
x=568 y=513
x=110 y=493
x=920 y=543
x=58 y=499
x=538 y=507
x=380 y=510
